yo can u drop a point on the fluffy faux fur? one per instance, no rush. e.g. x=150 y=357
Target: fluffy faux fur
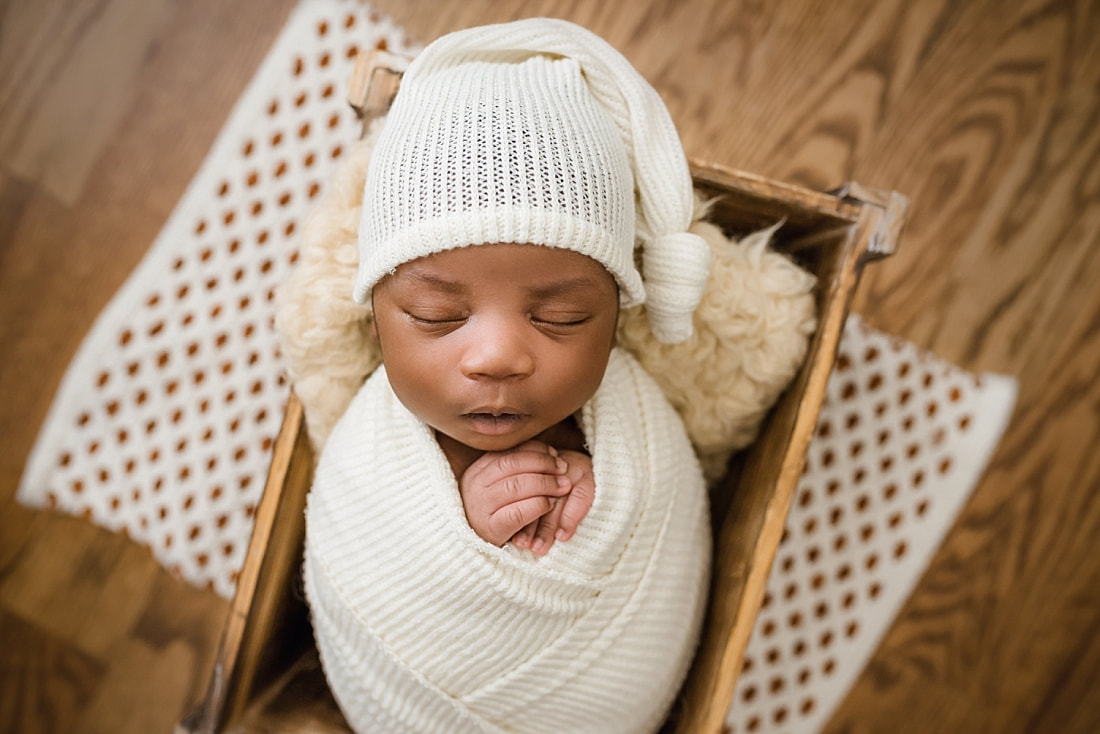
x=752 y=327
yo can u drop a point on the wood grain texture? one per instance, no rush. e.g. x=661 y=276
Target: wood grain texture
x=75 y=78
x=106 y=111
x=45 y=682
x=986 y=113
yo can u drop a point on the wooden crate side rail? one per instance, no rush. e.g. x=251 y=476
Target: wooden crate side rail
x=750 y=532
x=267 y=595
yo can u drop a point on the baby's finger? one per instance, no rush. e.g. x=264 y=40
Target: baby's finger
x=513 y=517
x=533 y=445
x=494 y=467
x=522 y=539
x=523 y=486
x=575 y=507
x=547 y=527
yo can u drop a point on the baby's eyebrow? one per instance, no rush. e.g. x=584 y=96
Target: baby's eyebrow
x=433 y=280
x=565 y=287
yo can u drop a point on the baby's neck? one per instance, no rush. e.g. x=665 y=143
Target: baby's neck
x=565 y=435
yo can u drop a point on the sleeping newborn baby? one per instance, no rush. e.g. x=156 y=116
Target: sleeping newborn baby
x=508 y=528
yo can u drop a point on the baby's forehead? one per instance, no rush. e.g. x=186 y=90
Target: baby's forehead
x=527 y=262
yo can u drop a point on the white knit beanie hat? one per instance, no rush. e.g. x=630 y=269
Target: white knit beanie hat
x=536 y=132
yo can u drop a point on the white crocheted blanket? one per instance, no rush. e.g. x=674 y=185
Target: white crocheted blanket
x=425 y=627
x=163 y=425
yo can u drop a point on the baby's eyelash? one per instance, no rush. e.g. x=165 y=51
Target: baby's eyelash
x=568 y=322
x=435 y=322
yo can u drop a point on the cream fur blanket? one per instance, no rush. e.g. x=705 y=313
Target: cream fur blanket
x=425 y=627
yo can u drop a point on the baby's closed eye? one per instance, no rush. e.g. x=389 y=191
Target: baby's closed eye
x=561 y=318
x=434 y=317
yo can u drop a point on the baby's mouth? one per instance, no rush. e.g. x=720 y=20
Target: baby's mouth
x=495 y=422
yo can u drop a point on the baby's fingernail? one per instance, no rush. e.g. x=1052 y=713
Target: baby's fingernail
x=553 y=451
x=562 y=466
x=561 y=534
x=538 y=547
x=563 y=482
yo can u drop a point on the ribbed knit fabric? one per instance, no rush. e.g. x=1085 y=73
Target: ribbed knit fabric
x=424 y=627
x=536 y=132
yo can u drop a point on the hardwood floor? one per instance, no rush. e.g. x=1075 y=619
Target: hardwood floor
x=986 y=113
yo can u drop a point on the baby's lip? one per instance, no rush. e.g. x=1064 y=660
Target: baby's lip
x=496 y=411
x=495 y=421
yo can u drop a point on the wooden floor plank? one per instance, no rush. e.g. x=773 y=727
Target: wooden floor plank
x=177 y=615
x=71 y=581
x=44 y=682
x=72 y=86
x=147 y=695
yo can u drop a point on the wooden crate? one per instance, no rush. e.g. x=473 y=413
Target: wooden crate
x=833 y=235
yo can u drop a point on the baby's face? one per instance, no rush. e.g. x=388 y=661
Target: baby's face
x=493 y=344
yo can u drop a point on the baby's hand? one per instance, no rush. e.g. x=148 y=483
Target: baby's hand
x=505 y=491
x=561 y=522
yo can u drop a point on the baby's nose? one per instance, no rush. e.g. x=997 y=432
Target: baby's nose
x=497 y=352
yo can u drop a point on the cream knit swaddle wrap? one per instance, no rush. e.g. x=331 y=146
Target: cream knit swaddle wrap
x=425 y=627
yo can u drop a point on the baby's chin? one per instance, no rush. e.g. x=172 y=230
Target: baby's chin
x=503 y=439
x=473 y=444
x=564 y=434
x=500 y=443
